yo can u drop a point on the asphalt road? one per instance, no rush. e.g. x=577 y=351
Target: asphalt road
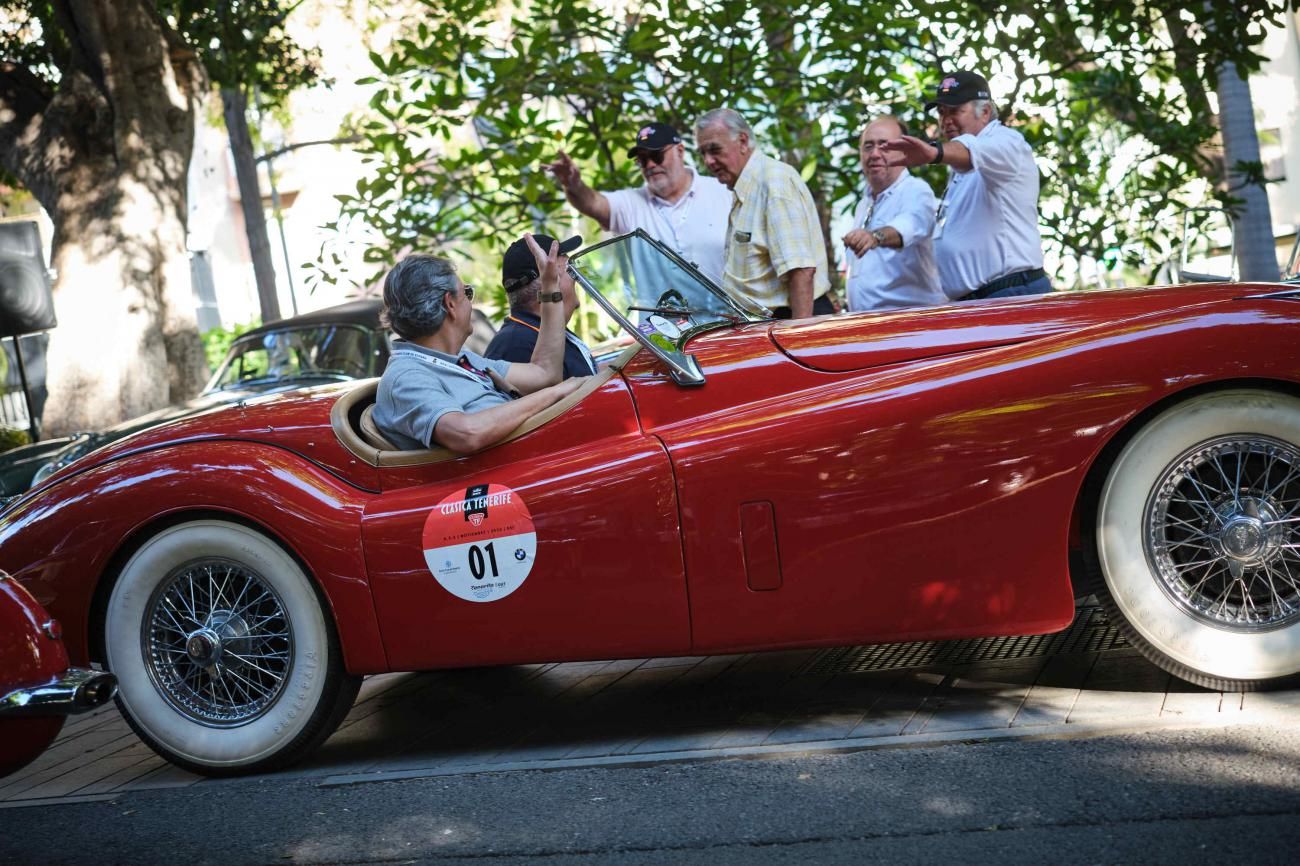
x=1206 y=794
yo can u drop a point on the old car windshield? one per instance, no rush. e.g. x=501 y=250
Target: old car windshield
x=655 y=295
x=322 y=351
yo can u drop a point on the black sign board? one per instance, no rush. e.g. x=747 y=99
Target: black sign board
x=26 y=305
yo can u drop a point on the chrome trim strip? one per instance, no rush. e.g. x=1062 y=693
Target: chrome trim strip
x=1284 y=293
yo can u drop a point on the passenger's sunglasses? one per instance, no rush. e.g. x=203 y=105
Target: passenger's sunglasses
x=651 y=156
x=469 y=293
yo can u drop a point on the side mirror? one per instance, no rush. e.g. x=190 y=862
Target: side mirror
x=1209 y=247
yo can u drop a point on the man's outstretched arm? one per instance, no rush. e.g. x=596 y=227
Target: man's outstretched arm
x=587 y=200
x=467 y=432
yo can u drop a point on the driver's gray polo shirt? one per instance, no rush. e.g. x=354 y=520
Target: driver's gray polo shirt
x=421 y=385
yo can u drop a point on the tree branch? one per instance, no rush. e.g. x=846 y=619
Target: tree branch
x=288 y=148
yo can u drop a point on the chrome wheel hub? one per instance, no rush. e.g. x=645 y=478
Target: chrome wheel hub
x=1222 y=532
x=203 y=647
x=217 y=642
x=1252 y=533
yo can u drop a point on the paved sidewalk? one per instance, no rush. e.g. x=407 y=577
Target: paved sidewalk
x=680 y=709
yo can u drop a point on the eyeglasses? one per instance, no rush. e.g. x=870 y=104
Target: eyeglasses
x=651 y=156
x=868 y=146
x=469 y=292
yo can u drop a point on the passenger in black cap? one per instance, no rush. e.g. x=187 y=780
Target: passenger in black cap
x=677 y=206
x=986 y=238
x=518 y=334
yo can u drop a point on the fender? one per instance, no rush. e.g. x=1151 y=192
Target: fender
x=72 y=554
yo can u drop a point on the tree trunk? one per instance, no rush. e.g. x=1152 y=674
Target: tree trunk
x=234 y=104
x=1256 y=249
x=106 y=153
x=778 y=34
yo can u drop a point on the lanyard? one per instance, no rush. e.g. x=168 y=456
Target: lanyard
x=582 y=349
x=472 y=372
x=874 y=199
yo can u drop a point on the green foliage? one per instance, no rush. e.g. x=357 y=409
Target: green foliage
x=472 y=100
x=243 y=44
x=216 y=342
x=12 y=437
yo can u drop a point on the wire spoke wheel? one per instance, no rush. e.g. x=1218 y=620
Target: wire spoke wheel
x=1223 y=532
x=218 y=641
x=1197 y=539
x=226 y=657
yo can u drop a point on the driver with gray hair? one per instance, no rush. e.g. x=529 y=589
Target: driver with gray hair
x=434 y=394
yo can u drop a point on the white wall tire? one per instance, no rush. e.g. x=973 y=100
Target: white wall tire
x=1196 y=539
x=226 y=662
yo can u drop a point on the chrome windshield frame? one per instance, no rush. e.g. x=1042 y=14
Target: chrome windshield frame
x=683 y=367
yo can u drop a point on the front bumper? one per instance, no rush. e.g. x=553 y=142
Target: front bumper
x=76 y=690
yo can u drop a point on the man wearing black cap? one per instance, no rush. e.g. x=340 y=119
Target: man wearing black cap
x=986 y=238
x=518 y=335
x=677 y=206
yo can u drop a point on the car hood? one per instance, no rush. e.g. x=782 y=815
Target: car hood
x=865 y=340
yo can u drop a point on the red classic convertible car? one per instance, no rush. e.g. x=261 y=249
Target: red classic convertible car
x=728 y=483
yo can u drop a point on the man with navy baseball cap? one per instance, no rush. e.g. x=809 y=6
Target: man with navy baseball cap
x=517 y=338
x=677 y=205
x=986 y=238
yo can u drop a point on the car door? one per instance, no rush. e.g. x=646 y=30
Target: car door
x=828 y=507
x=561 y=544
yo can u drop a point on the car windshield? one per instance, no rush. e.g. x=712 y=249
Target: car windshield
x=656 y=296
x=324 y=351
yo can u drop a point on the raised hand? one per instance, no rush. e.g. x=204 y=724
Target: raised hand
x=908 y=150
x=548 y=263
x=565 y=170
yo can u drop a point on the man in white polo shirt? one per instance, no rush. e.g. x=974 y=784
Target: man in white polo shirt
x=986 y=238
x=677 y=206
x=889 y=254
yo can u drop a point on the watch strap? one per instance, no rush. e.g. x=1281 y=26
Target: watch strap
x=938 y=152
x=550 y=297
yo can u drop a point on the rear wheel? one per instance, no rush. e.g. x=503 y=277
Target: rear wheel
x=225 y=658
x=1198 y=539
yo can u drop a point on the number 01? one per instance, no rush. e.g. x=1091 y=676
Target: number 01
x=476 y=564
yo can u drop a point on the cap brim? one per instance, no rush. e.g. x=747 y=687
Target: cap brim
x=951 y=99
x=632 y=151
x=571 y=244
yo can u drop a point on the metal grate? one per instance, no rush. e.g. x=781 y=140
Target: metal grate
x=1089 y=633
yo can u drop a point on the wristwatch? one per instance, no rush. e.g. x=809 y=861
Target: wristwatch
x=879 y=235
x=550 y=297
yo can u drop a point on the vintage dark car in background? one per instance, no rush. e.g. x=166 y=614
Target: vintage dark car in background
x=330 y=345
x=729 y=483
x=38 y=690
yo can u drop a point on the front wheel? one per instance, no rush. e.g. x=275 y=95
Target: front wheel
x=1198 y=539
x=226 y=661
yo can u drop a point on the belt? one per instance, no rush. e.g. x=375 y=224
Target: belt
x=1019 y=278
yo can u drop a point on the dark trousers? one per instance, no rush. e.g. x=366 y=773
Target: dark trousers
x=821 y=307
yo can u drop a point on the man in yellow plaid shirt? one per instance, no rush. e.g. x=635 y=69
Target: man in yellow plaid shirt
x=775 y=253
